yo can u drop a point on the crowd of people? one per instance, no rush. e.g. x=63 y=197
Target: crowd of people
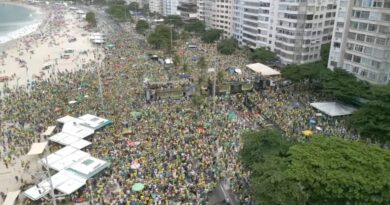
x=184 y=150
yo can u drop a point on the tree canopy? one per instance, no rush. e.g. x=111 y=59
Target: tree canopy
x=161 y=37
x=91 y=19
x=142 y=26
x=175 y=20
x=262 y=55
x=323 y=170
x=133 y=6
x=325 y=49
x=211 y=35
x=195 y=26
x=227 y=46
x=373 y=119
x=336 y=171
x=119 y=11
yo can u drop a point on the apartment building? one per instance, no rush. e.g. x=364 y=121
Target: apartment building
x=293 y=29
x=361 y=42
x=169 y=7
x=155 y=6
x=216 y=14
x=187 y=9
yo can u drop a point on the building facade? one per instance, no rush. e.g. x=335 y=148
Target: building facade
x=187 y=10
x=216 y=14
x=155 y=6
x=169 y=7
x=361 y=43
x=293 y=29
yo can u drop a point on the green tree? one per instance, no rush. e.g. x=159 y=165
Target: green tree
x=337 y=171
x=212 y=35
x=262 y=144
x=271 y=184
x=227 y=46
x=344 y=86
x=133 y=6
x=262 y=55
x=174 y=20
x=119 y=11
x=195 y=26
x=202 y=63
x=142 y=26
x=91 y=19
x=373 y=119
x=161 y=37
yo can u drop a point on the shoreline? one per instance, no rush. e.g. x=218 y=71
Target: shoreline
x=31 y=28
x=23 y=61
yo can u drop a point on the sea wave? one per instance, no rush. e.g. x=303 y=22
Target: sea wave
x=20 y=32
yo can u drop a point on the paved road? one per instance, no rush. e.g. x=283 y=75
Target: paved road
x=221 y=196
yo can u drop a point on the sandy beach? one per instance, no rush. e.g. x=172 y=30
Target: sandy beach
x=59 y=44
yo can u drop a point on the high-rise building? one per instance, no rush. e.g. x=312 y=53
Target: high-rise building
x=155 y=6
x=187 y=9
x=170 y=7
x=361 y=39
x=216 y=14
x=293 y=29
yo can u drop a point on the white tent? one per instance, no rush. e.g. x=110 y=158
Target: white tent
x=81 y=144
x=37 y=148
x=333 y=108
x=64 y=181
x=77 y=130
x=11 y=197
x=68 y=161
x=263 y=69
x=49 y=131
x=89 y=166
x=94 y=122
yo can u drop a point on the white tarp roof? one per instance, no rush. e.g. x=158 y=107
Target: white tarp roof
x=68 y=161
x=333 y=108
x=94 y=122
x=77 y=129
x=263 y=69
x=49 y=131
x=80 y=144
x=37 y=148
x=64 y=181
x=68 y=119
x=89 y=166
x=11 y=197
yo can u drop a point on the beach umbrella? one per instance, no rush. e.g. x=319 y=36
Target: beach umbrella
x=126 y=132
x=137 y=187
x=135 y=114
x=135 y=165
x=232 y=116
x=307 y=133
x=201 y=130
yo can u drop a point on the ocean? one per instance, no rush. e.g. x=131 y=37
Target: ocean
x=17 y=21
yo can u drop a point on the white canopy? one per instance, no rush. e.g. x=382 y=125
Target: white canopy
x=89 y=166
x=37 y=148
x=68 y=118
x=333 y=108
x=11 y=197
x=94 y=122
x=81 y=144
x=263 y=69
x=64 y=181
x=77 y=130
x=68 y=161
x=49 y=131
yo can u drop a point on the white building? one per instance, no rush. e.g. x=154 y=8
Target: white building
x=170 y=7
x=361 y=43
x=216 y=14
x=155 y=6
x=293 y=29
